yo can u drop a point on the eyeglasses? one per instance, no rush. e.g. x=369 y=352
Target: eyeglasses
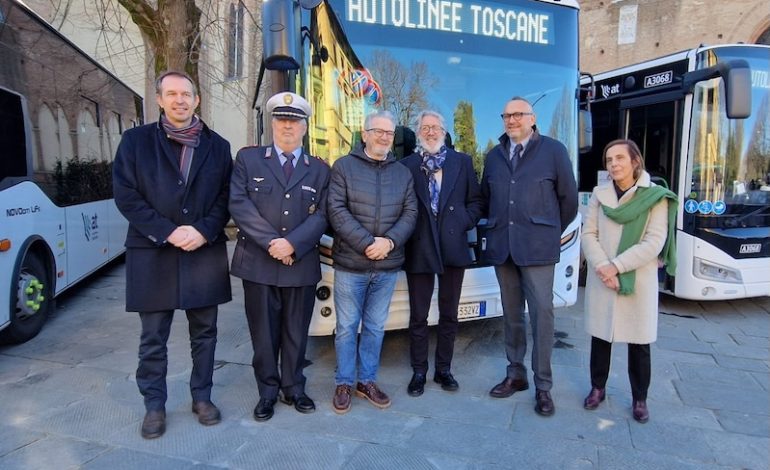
x=516 y=116
x=381 y=132
x=427 y=129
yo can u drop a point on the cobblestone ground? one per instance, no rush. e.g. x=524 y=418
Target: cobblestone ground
x=69 y=399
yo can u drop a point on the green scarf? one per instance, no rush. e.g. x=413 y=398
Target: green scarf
x=632 y=215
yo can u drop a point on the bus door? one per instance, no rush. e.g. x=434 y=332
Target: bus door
x=656 y=129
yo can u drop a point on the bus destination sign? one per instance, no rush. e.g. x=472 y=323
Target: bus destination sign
x=457 y=17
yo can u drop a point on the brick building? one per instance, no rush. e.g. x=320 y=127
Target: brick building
x=615 y=33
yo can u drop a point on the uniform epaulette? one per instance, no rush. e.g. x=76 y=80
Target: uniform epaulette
x=321 y=159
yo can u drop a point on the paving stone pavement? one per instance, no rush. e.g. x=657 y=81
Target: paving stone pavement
x=69 y=399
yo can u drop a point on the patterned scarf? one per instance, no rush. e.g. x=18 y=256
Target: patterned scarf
x=188 y=136
x=431 y=164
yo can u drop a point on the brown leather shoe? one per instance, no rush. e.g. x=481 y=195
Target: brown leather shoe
x=208 y=413
x=154 y=424
x=372 y=392
x=593 y=399
x=342 y=399
x=641 y=413
x=544 y=404
x=508 y=387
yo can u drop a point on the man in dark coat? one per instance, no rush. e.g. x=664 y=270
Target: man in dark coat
x=170 y=180
x=449 y=204
x=278 y=201
x=372 y=209
x=530 y=189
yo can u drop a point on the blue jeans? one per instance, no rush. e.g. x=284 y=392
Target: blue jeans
x=361 y=297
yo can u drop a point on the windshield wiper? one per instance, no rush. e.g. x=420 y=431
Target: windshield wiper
x=735 y=220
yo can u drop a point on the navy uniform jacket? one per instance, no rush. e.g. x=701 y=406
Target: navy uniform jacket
x=530 y=208
x=150 y=193
x=265 y=207
x=439 y=241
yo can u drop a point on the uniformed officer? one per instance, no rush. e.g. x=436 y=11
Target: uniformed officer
x=278 y=202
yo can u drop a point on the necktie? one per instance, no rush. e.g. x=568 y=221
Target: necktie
x=288 y=168
x=515 y=154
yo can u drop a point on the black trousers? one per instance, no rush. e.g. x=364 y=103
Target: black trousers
x=639 y=366
x=153 y=354
x=278 y=318
x=420 y=293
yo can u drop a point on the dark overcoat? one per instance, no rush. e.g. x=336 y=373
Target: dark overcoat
x=265 y=206
x=529 y=208
x=151 y=193
x=441 y=240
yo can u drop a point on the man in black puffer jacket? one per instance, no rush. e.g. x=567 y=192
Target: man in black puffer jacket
x=373 y=210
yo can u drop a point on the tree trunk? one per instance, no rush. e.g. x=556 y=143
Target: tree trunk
x=173 y=33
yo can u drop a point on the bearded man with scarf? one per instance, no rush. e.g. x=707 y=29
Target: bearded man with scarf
x=449 y=205
x=171 y=181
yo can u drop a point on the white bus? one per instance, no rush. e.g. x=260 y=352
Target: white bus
x=702 y=120
x=61 y=118
x=462 y=59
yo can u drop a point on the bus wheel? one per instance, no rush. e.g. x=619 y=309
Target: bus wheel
x=32 y=294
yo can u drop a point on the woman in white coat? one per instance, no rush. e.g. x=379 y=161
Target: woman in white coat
x=627 y=228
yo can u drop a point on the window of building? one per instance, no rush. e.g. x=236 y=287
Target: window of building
x=234 y=68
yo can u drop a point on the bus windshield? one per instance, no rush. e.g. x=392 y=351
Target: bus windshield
x=462 y=60
x=731 y=157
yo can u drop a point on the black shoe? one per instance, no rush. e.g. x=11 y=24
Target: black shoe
x=264 y=409
x=154 y=424
x=446 y=380
x=544 y=404
x=416 y=386
x=301 y=402
x=508 y=387
x=208 y=413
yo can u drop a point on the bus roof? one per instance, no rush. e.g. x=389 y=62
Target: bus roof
x=30 y=12
x=566 y=3
x=666 y=59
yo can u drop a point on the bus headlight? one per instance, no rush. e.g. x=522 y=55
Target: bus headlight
x=703 y=269
x=569 y=239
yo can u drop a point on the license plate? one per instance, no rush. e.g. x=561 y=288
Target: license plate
x=472 y=310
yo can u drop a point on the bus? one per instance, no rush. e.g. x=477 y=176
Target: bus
x=61 y=118
x=702 y=120
x=464 y=60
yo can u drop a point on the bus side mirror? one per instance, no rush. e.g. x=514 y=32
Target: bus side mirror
x=737 y=78
x=280 y=39
x=585 y=131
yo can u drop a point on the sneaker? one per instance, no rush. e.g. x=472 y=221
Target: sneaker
x=372 y=392
x=342 y=399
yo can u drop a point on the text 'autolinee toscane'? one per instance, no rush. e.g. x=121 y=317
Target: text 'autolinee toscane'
x=456 y=17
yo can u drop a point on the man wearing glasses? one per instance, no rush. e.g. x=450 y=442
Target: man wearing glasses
x=449 y=205
x=531 y=196
x=372 y=209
